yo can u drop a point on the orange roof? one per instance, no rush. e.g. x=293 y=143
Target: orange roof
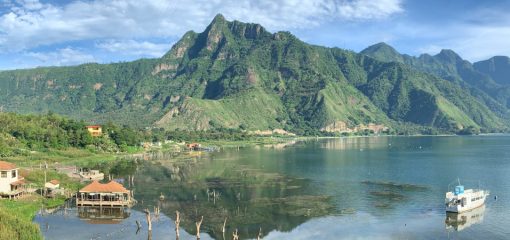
x=54 y=182
x=7 y=165
x=110 y=187
x=93 y=126
x=19 y=182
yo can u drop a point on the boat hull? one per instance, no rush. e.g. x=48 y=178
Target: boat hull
x=459 y=208
x=465 y=201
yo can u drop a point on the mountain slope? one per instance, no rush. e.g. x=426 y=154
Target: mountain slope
x=498 y=68
x=238 y=75
x=450 y=66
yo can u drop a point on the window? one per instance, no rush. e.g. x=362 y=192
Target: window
x=4 y=174
x=13 y=173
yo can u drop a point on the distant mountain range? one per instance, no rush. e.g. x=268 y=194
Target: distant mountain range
x=238 y=75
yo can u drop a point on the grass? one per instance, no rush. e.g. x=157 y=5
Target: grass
x=455 y=113
x=68 y=156
x=230 y=112
x=36 y=177
x=16 y=219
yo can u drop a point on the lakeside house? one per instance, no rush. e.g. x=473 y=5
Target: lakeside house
x=53 y=188
x=52 y=184
x=95 y=130
x=111 y=194
x=12 y=185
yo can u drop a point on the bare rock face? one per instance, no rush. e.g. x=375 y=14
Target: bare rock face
x=271 y=132
x=341 y=127
x=167 y=117
x=251 y=77
x=337 y=126
x=98 y=86
x=163 y=67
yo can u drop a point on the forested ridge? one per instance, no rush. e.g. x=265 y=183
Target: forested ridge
x=236 y=75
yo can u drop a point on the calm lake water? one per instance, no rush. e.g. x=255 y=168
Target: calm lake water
x=355 y=188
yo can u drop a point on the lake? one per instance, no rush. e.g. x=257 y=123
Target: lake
x=348 y=188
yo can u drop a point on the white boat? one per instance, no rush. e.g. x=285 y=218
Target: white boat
x=460 y=199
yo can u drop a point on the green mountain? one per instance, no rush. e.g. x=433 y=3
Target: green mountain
x=238 y=75
x=450 y=66
x=498 y=68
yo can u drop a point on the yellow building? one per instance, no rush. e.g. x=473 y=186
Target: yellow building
x=95 y=130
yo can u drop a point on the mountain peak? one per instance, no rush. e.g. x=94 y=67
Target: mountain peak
x=383 y=52
x=382 y=45
x=500 y=59
x=448 y=55
x=219 y=18
x=497 y=67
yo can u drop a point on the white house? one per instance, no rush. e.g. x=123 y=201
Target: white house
x=11 y=184
x=53 y=184
x=53 y=188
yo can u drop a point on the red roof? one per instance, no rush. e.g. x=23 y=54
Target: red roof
x=94 y=126
x=19 y=182
x=7 y=165
x=111 y=187
x=54 y=182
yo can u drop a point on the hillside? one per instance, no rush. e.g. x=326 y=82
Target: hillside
x=498 y=68
x=238 y=75
x=450 y=66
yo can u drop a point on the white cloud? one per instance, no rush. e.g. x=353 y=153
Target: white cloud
x=473 y=43
x=479 y=43
x=479 y=36
x=369 y=9
x=132 y=47
x=30 y=23
x=60 y=57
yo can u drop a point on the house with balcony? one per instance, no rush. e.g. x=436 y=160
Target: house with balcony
x=12 y=185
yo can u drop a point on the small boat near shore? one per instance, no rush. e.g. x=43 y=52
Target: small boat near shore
x=460 y=200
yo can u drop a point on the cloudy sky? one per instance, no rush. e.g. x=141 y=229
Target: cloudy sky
x=47 y=33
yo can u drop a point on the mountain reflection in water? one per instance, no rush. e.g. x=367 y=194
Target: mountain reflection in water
x=249 y=199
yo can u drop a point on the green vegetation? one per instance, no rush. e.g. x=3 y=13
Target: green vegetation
x=483 y=80
x=51 y=137
x=238 y=75
x=36 y=178
x=498 y=68
x=16 y=220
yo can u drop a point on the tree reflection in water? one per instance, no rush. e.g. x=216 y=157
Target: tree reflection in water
x=249 y=198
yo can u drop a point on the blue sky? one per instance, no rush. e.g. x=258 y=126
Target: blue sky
x=57 y=33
